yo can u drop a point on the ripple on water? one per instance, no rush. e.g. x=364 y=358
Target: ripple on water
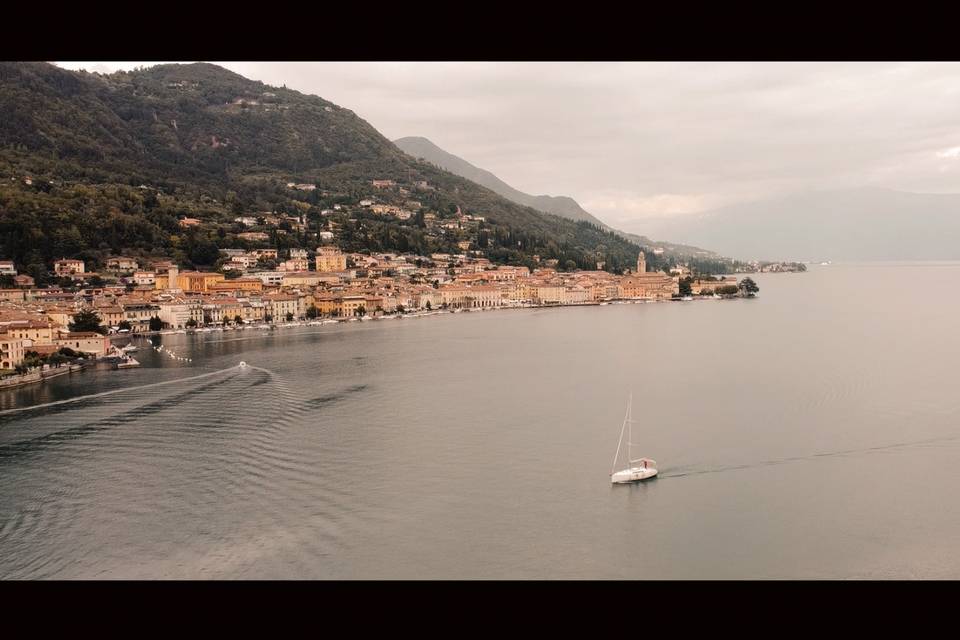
x=201 y=478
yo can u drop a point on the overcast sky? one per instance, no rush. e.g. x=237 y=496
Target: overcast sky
x=633 y=140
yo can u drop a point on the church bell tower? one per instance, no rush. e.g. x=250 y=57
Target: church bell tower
x=641 y=263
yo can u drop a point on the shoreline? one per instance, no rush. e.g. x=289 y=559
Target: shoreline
x=38 y=377
x=417 y=314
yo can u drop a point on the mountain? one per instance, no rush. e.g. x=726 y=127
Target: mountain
x=558 y=205
x=93 y=164
x=853 y=224
x=563 y=206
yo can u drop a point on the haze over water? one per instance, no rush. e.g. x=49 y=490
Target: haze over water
x=810 y=433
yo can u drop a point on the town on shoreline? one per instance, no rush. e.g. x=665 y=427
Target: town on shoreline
x=49 y=331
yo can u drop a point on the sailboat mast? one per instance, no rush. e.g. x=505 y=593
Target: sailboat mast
x=626 y=417
x=630 y=432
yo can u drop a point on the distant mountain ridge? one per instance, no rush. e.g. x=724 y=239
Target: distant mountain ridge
x=563 y=206
x=850 y=224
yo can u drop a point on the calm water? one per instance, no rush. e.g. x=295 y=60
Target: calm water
x=810 y=433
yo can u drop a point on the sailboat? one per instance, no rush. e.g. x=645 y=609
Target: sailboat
x=637 y=469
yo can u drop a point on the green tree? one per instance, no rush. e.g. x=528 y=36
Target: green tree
x=748 y=287
x=156 y=324
x=429 y=306
x=312 y=312
x=237 y=319
x=361 y=311
x=87 y=320
x=289 y=316
x=124 y=324
x=685 y=289
x=191 y=323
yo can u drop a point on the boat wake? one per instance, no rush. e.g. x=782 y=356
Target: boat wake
x=221 y=476
x=680 y=472
x=92 y=396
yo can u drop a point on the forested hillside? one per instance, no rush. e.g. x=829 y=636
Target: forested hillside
x=93 y=165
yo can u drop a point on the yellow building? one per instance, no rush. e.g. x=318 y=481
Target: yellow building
x=327 y=305
x=330 y=259
x=11 y=351
x=282 y=304
x=60 y=316
x=33 y=332
x=648 y=285
x=698 y=287
x=197 y=280
x=349 y=305
x=68 y=267
x=85 y=341
x=474 y=297
x=239 y=284
x=548 y=293
x=110 y=316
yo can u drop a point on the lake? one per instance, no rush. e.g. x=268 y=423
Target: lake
x=811 y=432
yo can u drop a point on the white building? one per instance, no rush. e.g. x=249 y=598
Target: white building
x=269 y=277
x=177 y=313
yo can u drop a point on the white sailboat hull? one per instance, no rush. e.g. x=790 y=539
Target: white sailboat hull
x=633 y=474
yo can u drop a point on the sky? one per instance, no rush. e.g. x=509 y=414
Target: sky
x=635 y=141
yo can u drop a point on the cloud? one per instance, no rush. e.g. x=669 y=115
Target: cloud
x=953 y=152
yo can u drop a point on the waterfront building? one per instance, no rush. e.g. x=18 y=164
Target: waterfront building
x=282 y=304
x=11 y=351
x=647 y=285
x=176 y=313
x=88 y=342
x=138 y=314
x=350 y=304
x=470 y=297
x=703 y=286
